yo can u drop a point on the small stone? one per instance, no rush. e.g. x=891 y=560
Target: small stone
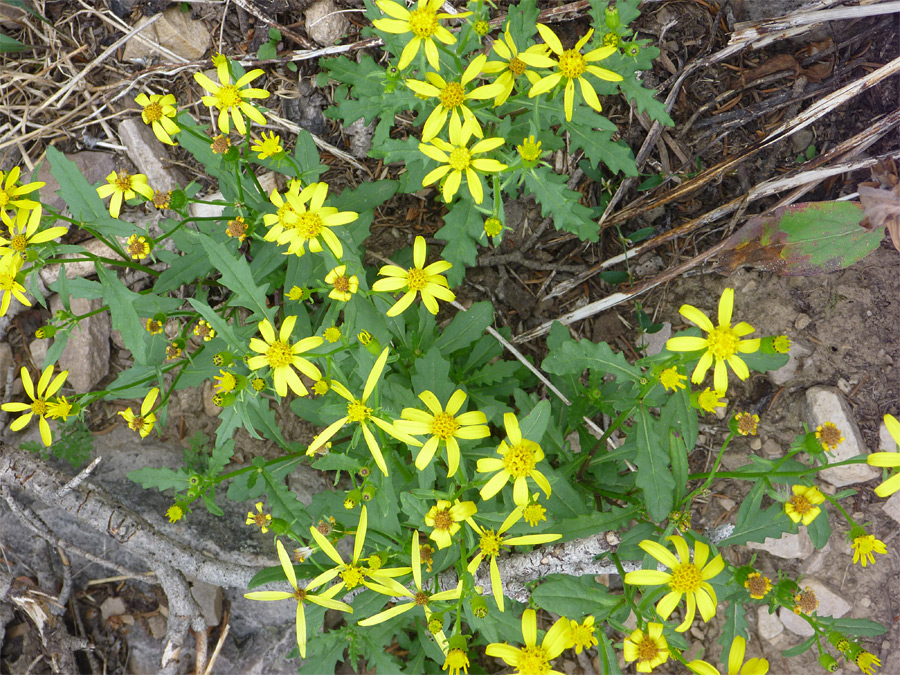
x=865 y=602
x=175 y=31
x=801 y=140
x=114 y=606
x=726 y=503
x=771 y=449
x=324 y=23
x=574 y=441
x=749 y=287
x=38 y=350
x=361 y=135
x=755 y=443
x=208 y=210
x=157 y=626
x=86 y=355
x=830 y=604
x=768 y=626
x=722 y=412
x=7 y=362
x=209 y=598
x=656 y=342
x=697 y=631
x=886 y=442
x=789 y=546
x=892 y=507
x=802 y=321
x=50 y=273
x=796 y=360
x=844 y=386
x=826 y=404
x=149 y=155
x=94 y=166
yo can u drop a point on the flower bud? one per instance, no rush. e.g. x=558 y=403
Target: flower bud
x=370 y=342
x=839 y=640
x=611 y=16
x=479 y=606
x=224 y=400
x=45 y=332
x=279 y=526
x=223 y=359
x=368 y=492
x=828 y=662
x=352 y=499
x=482 y=28
x=436 y=622
x=177 y=200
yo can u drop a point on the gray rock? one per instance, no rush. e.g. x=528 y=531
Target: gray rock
x=830 y=604
x=7 y=362
x=94 y=166
x=796 y=360
x=210 y=600
x=768 y=626
x=886 y=442
x=826 y=404
x=149 y=155
x=114 y=606
x=324 y=24
x=38 y=350
x=175 y=31
x=86 y=355
x=157 y=625
x=656 y=341
x=892 y=506
x=360 y=135
x=771 y=449
x=788 y=546
x=801 y=140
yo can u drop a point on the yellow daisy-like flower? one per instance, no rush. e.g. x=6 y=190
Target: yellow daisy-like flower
x=420 y=598
x=452 y=98
x=286 y=218
x=225 y=382
x=423 y=23
x=267 y=147
x=353 y=574
x=722 y=344
x=736 y=665
x=14 y=196
x=671 y=379
x=529 y=150
x=313 y=222
x=457 y=158
x=220 y=144
x=427 y=281
x=803 y=506
x=39 y=405
x=444 y=426
x=747 y=423
x=534 y=513
x=144 y=422
x=282 y=357
x=138 y=247
x=829 y=436
x=649 y=649
x=301 y=595
x=444 y=519
x=709 y=400
x=687 y=578
x=882 y=459
x=260 y=518
x=174 y=513
x=358 y=412
x=533 y=658
x=344 y=287
x=512 y=65
x=865 y=547
x=9 y=287
x=781 y=344
x=332 y=334
x=806 y=602
x=298 y=294
x=204 y=330
x=570 y=66
x=123 y=185
x=159 y=111
x=758 y=585
x=23 y=231
x=455 y=661
x=581 y=635
x=491 y=543
x=232 y=99
x=59 y=408
x=517 y=462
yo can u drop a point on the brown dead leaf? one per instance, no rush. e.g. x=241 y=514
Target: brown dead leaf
x=882 y=208
x=819 y=71
x=774 y=65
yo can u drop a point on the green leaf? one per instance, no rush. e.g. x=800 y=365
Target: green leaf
x=183 y=269
x=463 y=225
x=161 y=479
x=561 y=203
x=858 y=627
x=754 y=523
x=492 y=373
x=735 y=624
x=802 y=239
x=432 y=373
x=366 y=196
x=9 y=45
x=594 y=523
x=609 y=658
x=123 y=315
x=574 y=597
x=221 y=455
x=819 y=529
x=284 y=503
x=645 y=100
x=534 y=425
x=593 y=134
x=237 y=277
x=465 y=328
x=336 y=461
x=652 y=460
x=679 y=461
x=799 y=649
x=573 y=357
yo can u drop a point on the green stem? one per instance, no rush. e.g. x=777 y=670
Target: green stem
x=752 y=475
x=712 y=474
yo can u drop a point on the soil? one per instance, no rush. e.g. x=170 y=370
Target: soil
x=847 y=320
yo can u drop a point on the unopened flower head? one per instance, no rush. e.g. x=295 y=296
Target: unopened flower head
x=529 y=150
x=158 y=111
x=427 y=281
x=581 y=635
x=220 y=144
x=122 y=185
x=332 y=334
x=867 y=662
x=232 y=99
x=175 y=513
x=803 y=506
x=781 y=344
x=708 y=400
x=493 y=227
x=534 y=512
x=298 y=294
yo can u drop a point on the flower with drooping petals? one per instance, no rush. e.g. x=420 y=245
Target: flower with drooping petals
x=282 y=357
x=533 y=658
x=231 y=98
x=422 y=22
x=123 y=185
x=47 y=385
x=158 y=111
x=144 y=422
x=517 y=462
x=581 y=635
x=865 y=547
x=428 y=281
x=649 y=649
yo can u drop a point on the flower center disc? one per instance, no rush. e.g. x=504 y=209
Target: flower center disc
x=228 y=97
x=352 y=576
x=460 y=158
x=154 y=112
x=421 y=598
x=723 y=342
x=358 y=412
x=533 y=661
x=452 y=95
x=686 y=578
x=310 y=225
x=444 y=426
x=18 y=243
x=136 y=424
x=39 y=407
x=279 y=354
x=647 y=649
x=7 y=282
x=342 y=284
x=517 y=66
x=572 y=64
x=442 y=520
x=4 y=198
x=300 y=594
x=416 y=279
x=519 y=459
x=123 y=182
x=423 y=22
x=801 y=504
x=490 y=543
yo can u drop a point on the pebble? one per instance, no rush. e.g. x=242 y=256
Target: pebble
x=209 y=598
x=789 y=546
x=157 y=626
x=802 y=321
x=771 y=449
x=113 y=606
x=755 y=443
x=797 y=357
x=656 y=342
x=891 y=507
x=149 y=155
x=768 y=626
x=324 y=23
x=174 y=31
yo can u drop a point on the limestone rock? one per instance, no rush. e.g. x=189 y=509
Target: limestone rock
x=768 y=626
x=113 y=606
x=175 y=31
x=95 y=166
x=209 y=598
x=7 y=362
x=656 y=341
x=826 y=404
x=892 y=506
x=886 y=442
x=796 y=360
x=324 y=24
x=86 y=355
x=38 y=350
x=788 y=546
x=149 y=155
x=830 y=604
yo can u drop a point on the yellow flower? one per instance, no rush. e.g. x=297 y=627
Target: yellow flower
x=671 y=379
x=360 y=413
x=428 y=281
x=39 y=405
x=571 y=66
x=529 y=150
x=722 y=344
x=865 y=547
x=312 y=222
x=226 y=382
x=456 y=660
x=260 y=519
x=709 y=400
x=458 y=159
x=282 y=356
x=301 y=595
x=758 y=585
x=806 y=602
x=153 y=326
x=204 y=330
x=352 y=574
x=581 y=635
x=267 y=147
x=829 y=436
x=174 y=513
x=747 y=424
x=12 y=195
x=533 y=658
x=422 y=22
x=493 y=227
x=162 y=200
x=332 y=334
x=59 y=408
x=286 y=218
x=444 y=519
x=231 y=98
x=237 y=228
x=687 y=578
x=159 y=111
x=9 y=287
x=144 y=422
x=649 y=649
x=781 y=344
x=344 y=286
x=452 y=98
x=444 y=426
x=23 y=231
x=491 y=543
x=867 y=662
x=123 y=185
x=138 y=247
x=517 y=462
x=420 y=598
x=534 y=512
x=803 y=505
x=220 y=145
x=882 y=459
x=736 y=665
x=297 y=293
x=512 y=65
